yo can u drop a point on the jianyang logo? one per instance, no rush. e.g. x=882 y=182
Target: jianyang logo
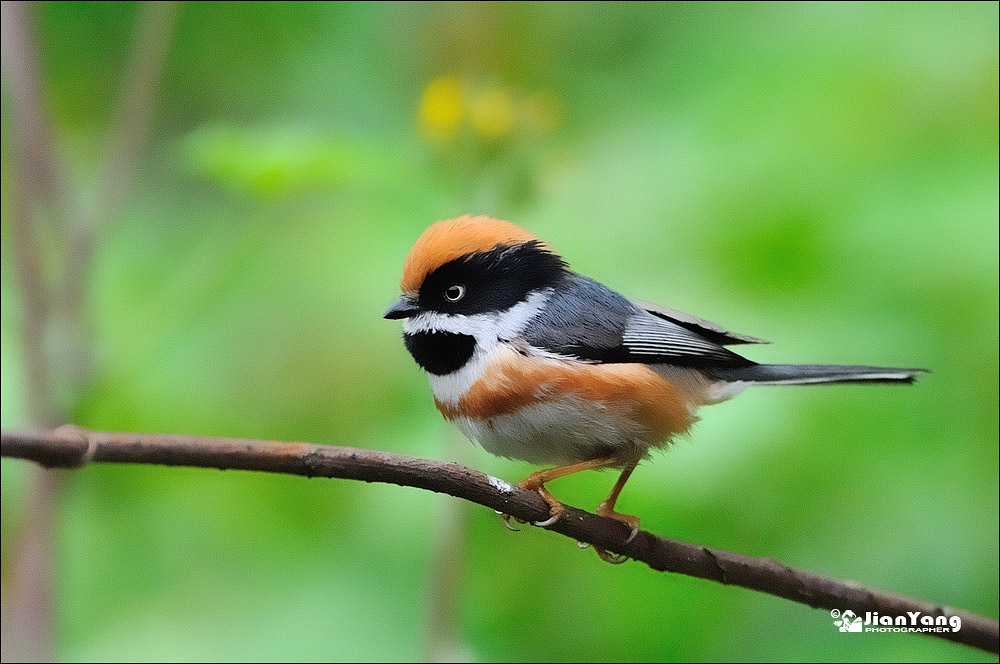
x=847 y=621
x=911 y=621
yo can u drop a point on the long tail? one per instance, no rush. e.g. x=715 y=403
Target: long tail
x=815 y=374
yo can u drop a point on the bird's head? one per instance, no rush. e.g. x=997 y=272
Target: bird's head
x=474 y=265
x=470 y=281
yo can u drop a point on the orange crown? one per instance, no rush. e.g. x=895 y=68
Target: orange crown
x=447 y=240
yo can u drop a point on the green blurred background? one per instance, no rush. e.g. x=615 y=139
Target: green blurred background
x=821 y=175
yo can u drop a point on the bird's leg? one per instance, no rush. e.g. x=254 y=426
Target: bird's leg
x=536 y=482
x=607 y=508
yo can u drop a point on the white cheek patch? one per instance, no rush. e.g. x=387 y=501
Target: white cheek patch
x=490 y=330
x=504 y=324
x=478 y=325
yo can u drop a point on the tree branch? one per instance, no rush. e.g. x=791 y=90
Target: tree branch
x=72 y=447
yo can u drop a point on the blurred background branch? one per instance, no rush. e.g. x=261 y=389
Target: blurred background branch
x=55 y=277
x=39 y=190
x=72 y=447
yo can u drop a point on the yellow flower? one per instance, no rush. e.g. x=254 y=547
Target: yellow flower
x=441 y=108
x=493 y=113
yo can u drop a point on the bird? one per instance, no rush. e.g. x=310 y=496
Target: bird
x=536 y=362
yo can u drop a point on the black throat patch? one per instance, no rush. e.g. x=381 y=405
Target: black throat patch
x=440 y=353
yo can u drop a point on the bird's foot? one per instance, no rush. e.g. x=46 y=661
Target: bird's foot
x=607 y=510
x=629 y=520
x=537 y=484
x=608 y=557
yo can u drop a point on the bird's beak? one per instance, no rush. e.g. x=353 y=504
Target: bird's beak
x=404 y=307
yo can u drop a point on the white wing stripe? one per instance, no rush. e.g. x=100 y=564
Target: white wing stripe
x=649 y=335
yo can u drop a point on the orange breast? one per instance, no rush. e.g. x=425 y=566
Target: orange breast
x=634 y=391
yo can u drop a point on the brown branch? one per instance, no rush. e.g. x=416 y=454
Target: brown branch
x=72 y=447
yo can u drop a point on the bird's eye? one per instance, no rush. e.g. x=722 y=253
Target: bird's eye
x=454 y=293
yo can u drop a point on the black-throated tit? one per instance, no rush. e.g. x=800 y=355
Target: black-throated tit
x=536 y=362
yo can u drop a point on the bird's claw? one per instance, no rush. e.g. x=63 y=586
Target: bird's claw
x=549 y=521
x=555 y=511
x=506 y=523
x=541 y=524
x=635 y=531
x=608 y=557
x=631 y=521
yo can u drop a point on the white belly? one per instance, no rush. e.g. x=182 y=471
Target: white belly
x=559 y=433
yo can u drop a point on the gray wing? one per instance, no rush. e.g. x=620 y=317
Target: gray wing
x=586 y=320
x=706 y=328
